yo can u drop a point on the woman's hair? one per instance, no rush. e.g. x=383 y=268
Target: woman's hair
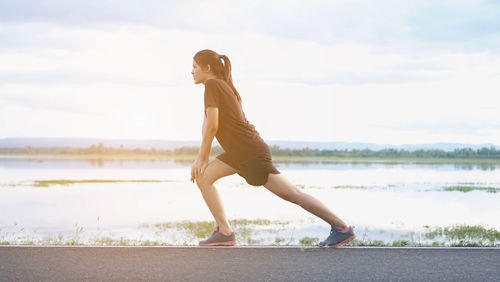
x=221 y=70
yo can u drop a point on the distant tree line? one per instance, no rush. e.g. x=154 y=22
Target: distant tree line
x=466 y=153
x=101 y=149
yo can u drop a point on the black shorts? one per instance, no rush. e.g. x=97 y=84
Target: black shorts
x=255 y=168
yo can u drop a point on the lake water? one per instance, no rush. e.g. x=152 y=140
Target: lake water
x=384 y=201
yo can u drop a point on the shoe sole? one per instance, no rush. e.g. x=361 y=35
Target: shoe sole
x=227 y=243
x=338 y=244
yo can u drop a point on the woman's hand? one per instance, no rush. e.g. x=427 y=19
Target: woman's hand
x=198 y=168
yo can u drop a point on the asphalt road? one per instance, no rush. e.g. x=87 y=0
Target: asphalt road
x=82 y=263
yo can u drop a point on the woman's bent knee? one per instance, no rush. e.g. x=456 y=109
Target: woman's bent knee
x=203 y=181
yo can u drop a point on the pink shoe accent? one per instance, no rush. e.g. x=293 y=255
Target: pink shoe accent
x=227 y=243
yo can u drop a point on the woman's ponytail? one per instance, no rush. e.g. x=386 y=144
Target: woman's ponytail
x=227 y=75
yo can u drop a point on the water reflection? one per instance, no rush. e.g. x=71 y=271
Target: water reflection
x=483 y=166
x=65 y=163
x=60 y=162
x=384 y=196
x=122 y=208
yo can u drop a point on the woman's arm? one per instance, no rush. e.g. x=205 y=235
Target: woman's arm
x=210 y=126
x=209 y=129
x=204 y=125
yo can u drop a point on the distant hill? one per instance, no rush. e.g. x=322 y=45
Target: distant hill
x=171 y=144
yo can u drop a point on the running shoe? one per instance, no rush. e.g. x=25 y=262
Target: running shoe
x=338 y=237
x=219 y=239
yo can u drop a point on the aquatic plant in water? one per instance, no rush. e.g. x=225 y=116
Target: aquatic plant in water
x=466 y=189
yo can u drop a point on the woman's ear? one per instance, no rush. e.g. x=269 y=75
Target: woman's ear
x=208 y=68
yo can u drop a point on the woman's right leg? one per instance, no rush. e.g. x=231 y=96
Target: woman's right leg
x=279 y=185
x=215 y=170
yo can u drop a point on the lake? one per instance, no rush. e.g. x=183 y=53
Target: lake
x=153 y=201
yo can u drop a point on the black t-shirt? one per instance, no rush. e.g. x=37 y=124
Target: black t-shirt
x=235 y=134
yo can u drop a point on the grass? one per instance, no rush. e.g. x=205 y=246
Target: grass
x=278 y=241
x=196 y=230
x=462 y=187
x=66 y=182
x=306 y=241
x=466 y=189
x=459 y=188
x=450 y=236
x=351 y=187
x=46 y=183
x=302 y=186
x=367 y=243
x=248 y=229
x=464 y=233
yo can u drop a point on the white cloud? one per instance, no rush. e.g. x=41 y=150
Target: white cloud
x=124 y=78
x=391 y=23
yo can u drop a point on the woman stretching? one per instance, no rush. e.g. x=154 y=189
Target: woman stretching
x=246 y=153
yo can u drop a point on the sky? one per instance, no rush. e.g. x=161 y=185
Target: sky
x=386 y=72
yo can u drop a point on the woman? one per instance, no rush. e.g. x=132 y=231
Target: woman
x=245 y=153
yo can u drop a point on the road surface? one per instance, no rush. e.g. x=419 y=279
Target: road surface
x=85 y=263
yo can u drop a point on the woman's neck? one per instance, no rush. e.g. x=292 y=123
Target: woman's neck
x=210 y=76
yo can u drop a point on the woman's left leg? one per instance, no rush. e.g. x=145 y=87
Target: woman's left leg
x=215 y=170
x=280 y=186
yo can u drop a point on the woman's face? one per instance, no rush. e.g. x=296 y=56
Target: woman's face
x=199 y=75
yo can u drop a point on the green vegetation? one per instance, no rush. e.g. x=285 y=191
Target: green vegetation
x=46 y=183
x=350 y=187
x=465 y=235
x=303 y=186
x=197 y=230
x=250 y=232
x=451 y=236
x=100 y=151
x=367 y=243
x=483 y=153
x=307 y=241
x=401 y=243
x=66 y=182
x=278 y=241
x=488 y=155
x=466 y=189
